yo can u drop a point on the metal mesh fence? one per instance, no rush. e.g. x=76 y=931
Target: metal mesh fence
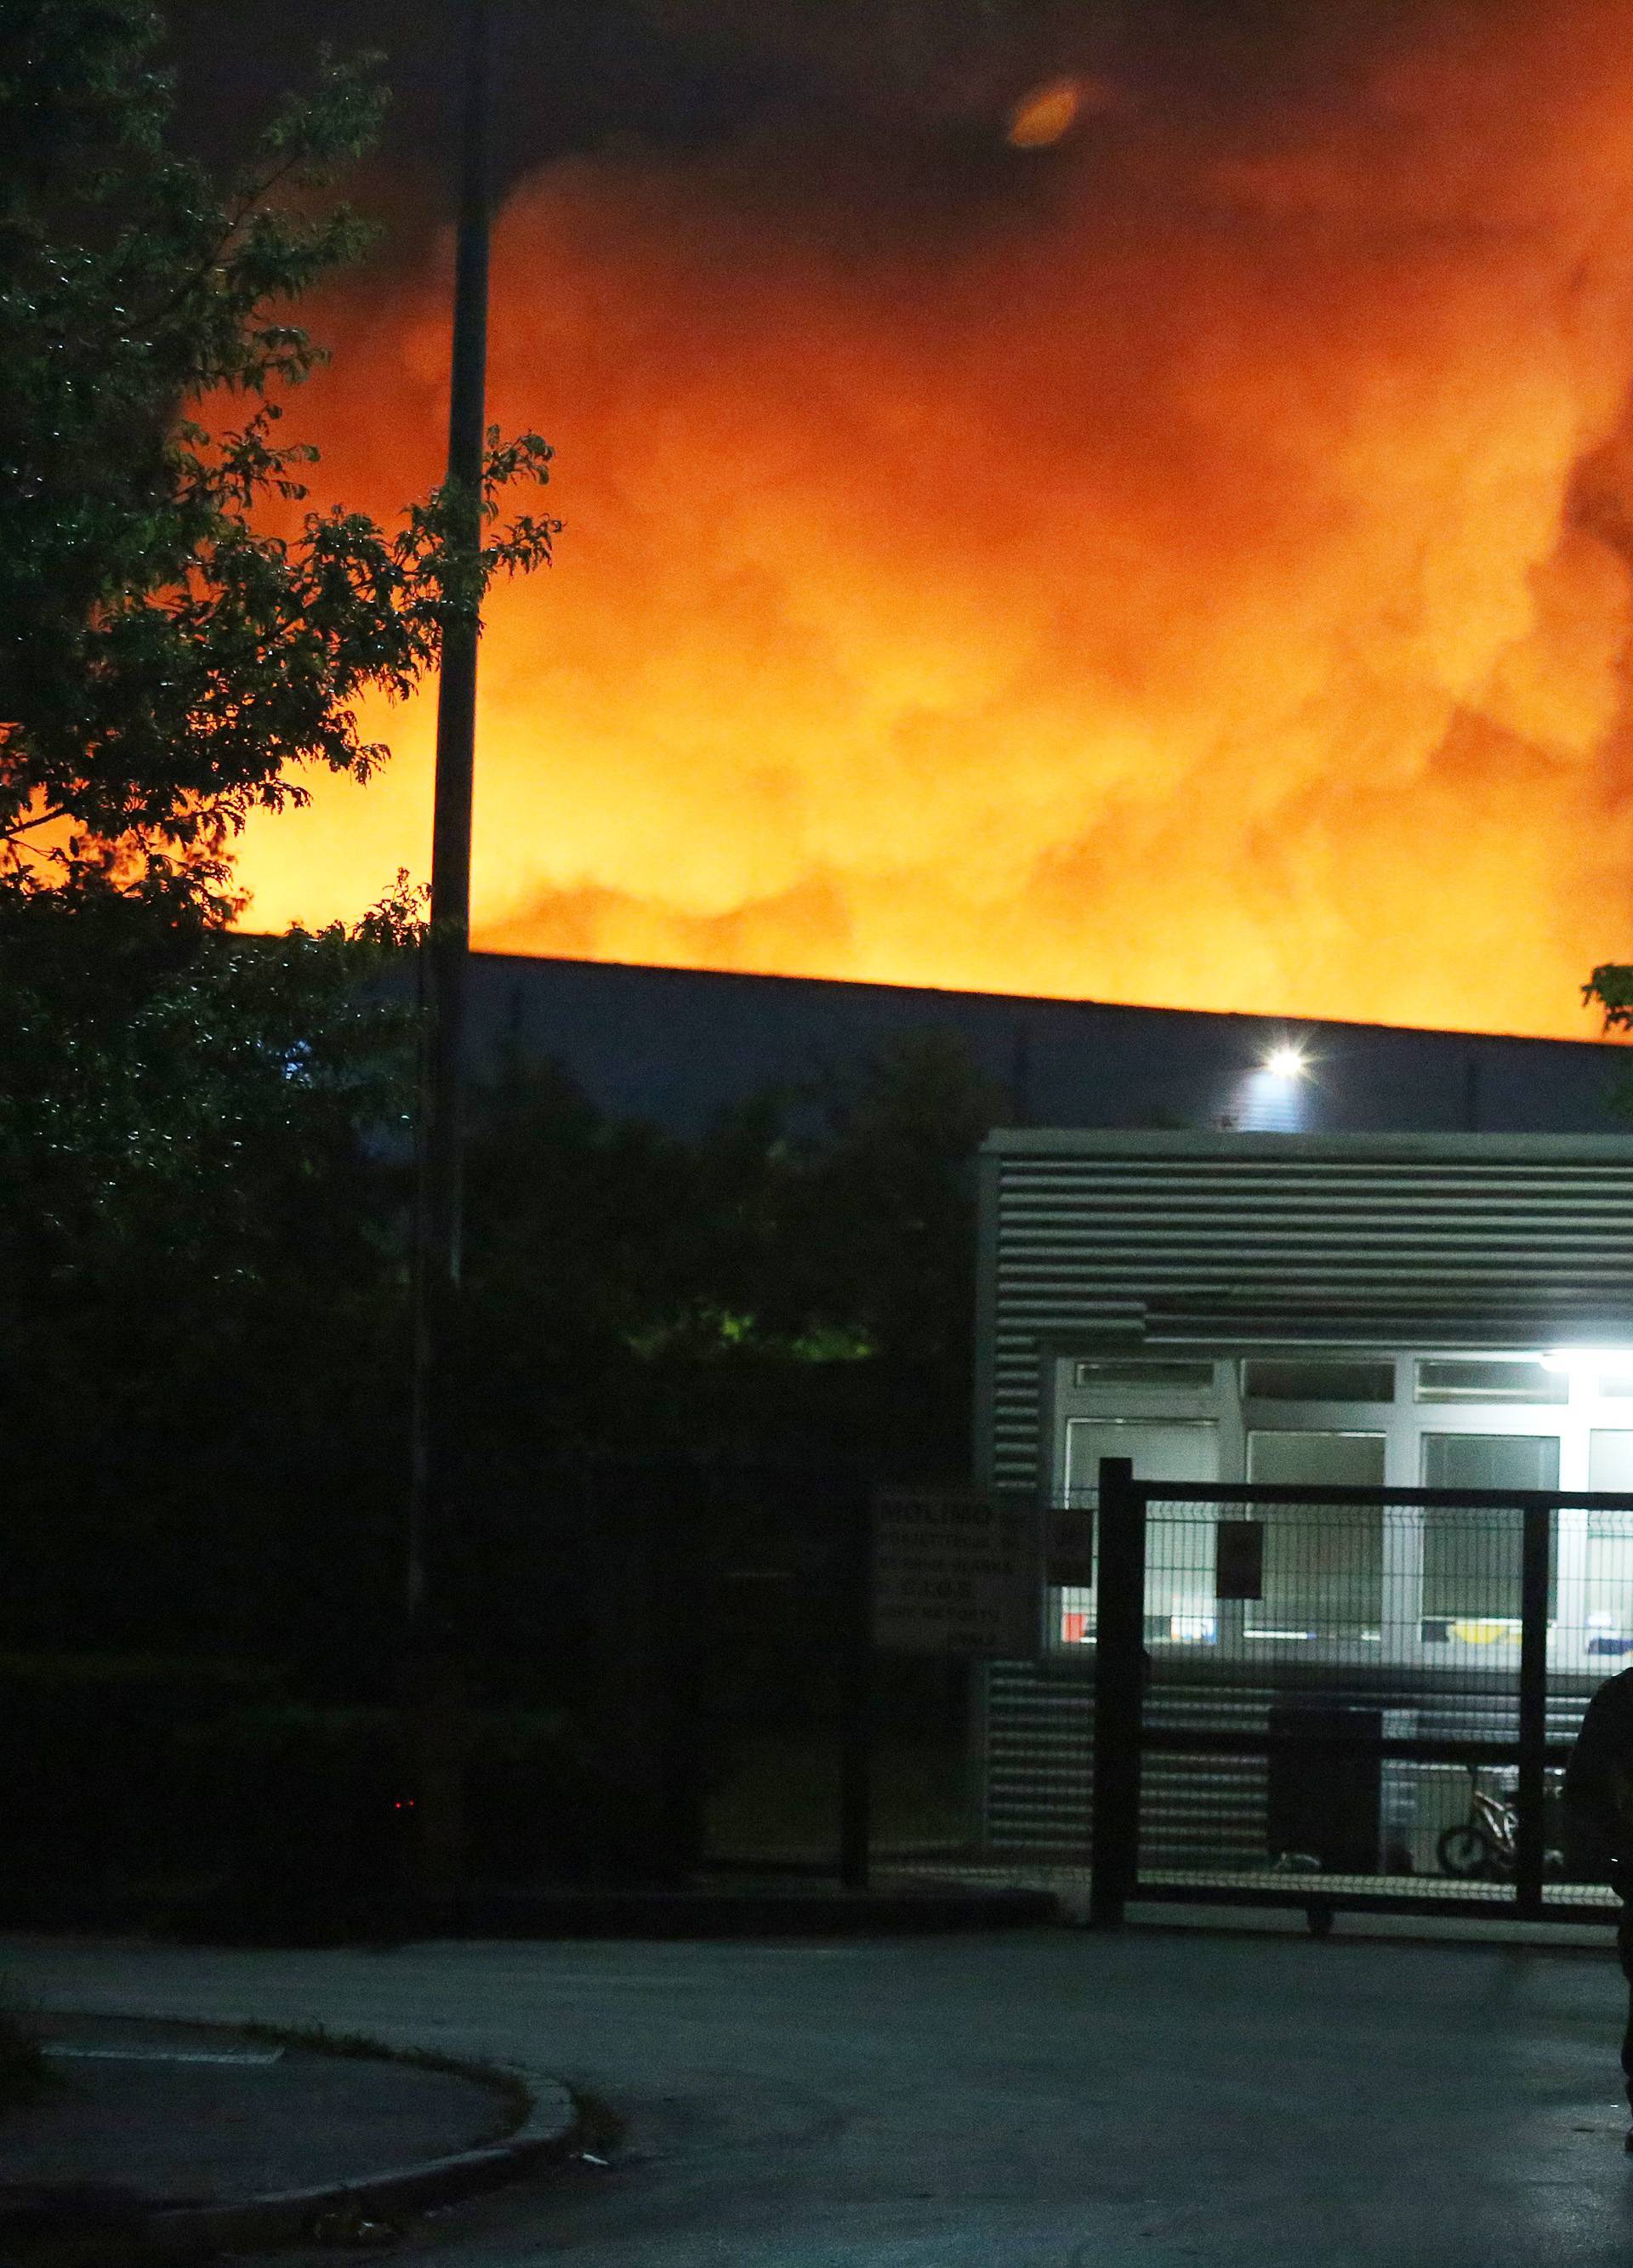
x=1332 y=1700
x=1348 y=1696
x=1337 y=1702
x=1345 y=1627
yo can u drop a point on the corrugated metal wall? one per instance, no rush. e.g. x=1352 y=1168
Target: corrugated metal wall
x=1431 y=1240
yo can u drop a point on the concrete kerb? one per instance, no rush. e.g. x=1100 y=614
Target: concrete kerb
x=552 y=2124
x=546 y=2137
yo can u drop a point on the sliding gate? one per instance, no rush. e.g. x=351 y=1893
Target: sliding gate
x=1401 y=1670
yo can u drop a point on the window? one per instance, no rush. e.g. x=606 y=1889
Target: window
x=1491 y=1460
x=1324 y=1563
x=1159 y=1448
x=1439 y=1380
x=1610 y=1463
x=1609 y=1604
x=1299 y=1460
x=1471 y=1556
x=1155 y=1370
x=1324 y=1380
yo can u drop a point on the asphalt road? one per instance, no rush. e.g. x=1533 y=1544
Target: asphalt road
x=1051 y=2097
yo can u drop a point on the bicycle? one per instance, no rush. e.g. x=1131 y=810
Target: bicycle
x=1485 y=1846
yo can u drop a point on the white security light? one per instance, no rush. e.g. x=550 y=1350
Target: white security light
x=1286 y=1061
x=1581 y=1362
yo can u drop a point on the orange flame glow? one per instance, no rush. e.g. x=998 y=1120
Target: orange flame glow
x=1047 y=116
x=1192 y=565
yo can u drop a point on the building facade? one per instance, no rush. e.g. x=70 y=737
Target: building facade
x=1404 y=1311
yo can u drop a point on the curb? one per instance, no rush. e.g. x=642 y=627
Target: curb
x=545 y=2137
x=150 y=2230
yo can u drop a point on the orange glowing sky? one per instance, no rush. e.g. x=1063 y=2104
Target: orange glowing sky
x=1186 y=563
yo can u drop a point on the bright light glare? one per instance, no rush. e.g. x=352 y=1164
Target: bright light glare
x=1579 y=1362
x=1285 y=1063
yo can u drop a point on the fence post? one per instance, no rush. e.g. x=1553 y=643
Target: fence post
x=856 y=1731
x=681 y=1607
x=1533 y=1708
x=1119 y=1679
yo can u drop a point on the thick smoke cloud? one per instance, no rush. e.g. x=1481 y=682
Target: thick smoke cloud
x=1190 y=563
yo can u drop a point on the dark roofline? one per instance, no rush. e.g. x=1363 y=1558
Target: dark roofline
x=1245 y=1018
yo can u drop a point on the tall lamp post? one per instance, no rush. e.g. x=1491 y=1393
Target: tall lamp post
x=435 y=1478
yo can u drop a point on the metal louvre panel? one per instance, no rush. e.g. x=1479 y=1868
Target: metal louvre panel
x=1038 y=1777
x=1460 y=1239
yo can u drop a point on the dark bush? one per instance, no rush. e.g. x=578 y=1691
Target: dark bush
x=544 y=1804
x=314 y=1817
x=139 y=1791
x=310 y=1813
x=96 y=1789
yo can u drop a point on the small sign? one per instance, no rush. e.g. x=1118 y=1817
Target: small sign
x=1238 y=1559
x=953 y=1574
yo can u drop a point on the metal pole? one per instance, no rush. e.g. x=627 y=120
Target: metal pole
x=1533 y=1708
x=1119 y=1679
x=434 y=1483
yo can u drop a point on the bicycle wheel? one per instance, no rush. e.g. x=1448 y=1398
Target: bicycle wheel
x=1465 y=1851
